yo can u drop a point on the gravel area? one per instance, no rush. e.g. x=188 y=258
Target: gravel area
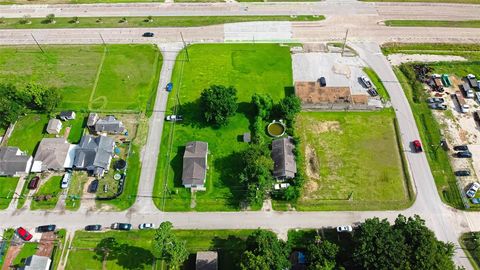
x=399 y=58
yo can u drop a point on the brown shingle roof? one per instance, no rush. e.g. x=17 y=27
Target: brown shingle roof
x=195 y=163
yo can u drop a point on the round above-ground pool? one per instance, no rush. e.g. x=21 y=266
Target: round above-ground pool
x=276 y=129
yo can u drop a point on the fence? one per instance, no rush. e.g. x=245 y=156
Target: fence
x=339 y=107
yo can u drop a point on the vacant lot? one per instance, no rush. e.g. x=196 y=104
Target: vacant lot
x=134 y=249
x=352 y=161
x=264 y=68
x=468 y=51
x=50 y=191
x=7 y=189
x=115 y=78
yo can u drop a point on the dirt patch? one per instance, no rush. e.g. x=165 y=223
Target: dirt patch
x=312 y=163
x=399 y=58
x=325 y=126
x=45 y=247
x=12 y=252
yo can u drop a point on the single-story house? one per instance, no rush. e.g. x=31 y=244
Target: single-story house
x=283 y=158
x=206 y=260
x=14 y=162
x=195 y=165
x=67 y=115
x=54 y=126
x=109 y=125
x=53 y=154
x=36 y=262
x=94 y=154
x=92 y=119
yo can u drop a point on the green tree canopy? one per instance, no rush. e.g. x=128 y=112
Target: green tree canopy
x=12 y=104
x=321 y=255
x=265 y=251
x=218 y=103
x=263 y=105
x=257 y=172
x=289 y=106
x=167 y=247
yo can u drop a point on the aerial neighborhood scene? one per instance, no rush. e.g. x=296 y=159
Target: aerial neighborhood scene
x=239 y=134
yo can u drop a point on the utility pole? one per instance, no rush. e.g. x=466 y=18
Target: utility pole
x=344 y=41
x=103 y=41
x=40 y=47
x=185 y=46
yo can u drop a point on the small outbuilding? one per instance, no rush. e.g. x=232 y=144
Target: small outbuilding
x=54 y=126
x=67 y=115
x=283 y=158
x=36 y=262
x=206 y=260
x=195 y=165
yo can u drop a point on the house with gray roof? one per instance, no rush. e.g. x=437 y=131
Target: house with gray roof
x=110 y=125
x=36 y=262
x=53 y=154
x=195 y=165
x=206 y=260
x=14 y=162
x=94 y=154
x=67 y=115
x=283 y=158
x=92 y=119
x=54 y=126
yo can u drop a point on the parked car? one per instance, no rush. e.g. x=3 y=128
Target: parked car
x=121 y=226
x=33 y=184
x=24 y=234
x=473 y=190
x=174 y=117
x=460 y=148
x=148 y=34
x=435 y=100
x=93 y=186
x=66 y=180
x=344 y=228
x=464 y=154
x=372 y=92
x=437 y=106
x=145 y=226
x=322 y=81
x=462 y=173
x=417 y=146
x=366 y=82
x=169 y=87
x=93 y=228
x=46 y=228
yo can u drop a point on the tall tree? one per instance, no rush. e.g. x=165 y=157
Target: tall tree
x=265 y=251
x=263 y=105
x=167 y=247
x=256 y=174
x=12 y=104
x=218 y=103
x=289 y=106
x=321 y=255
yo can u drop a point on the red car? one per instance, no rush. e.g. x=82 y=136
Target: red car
x=417 y=146
x=34 y=182
x=24 y=234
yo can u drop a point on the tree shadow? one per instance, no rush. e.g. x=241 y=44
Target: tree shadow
x=192 y=115
x=176 y=164
x=289 y=90
x=229 y=250
x=126 y=256
x=229 y=173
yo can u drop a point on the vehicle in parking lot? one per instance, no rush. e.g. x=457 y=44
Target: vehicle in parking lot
x=462 y=173
x=344 y=228
x=24 y=234
x=417 y=146
x=366 y=82
x=437 y=106
x=464 y=154
x=46 y=228
x=460 y=148
x=93 y=186
x=148 y=34
x=322 y=81
x=473 y=190
x=33 y=184
x=145 y=226
x=121 y=226
x=66 y=180
x=372 y=92
x=174 y=117
x=435 y=100
x=93 y=228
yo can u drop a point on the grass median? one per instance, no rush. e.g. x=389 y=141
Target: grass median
x=132 y=22
x=434 y=23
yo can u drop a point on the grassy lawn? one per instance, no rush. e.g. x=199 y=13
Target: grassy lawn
x=59 y=245
x=27 y=250
x=377 y=83
x=160 y=21
x=352 y=162
x=28 y=132
x=77 y=127
x=469 y=51
x=126 y=80
x=251 y=68
x=433 y=23
x=23 y=195
x=135 y=248
x=75 y=190
x=50 y=187
x=7 y=189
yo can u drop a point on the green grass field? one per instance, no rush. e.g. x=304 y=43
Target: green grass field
x=126 y=80
x=160 y=21
x=28 y=132
x=259 y=68
x=352 y=162
x=469 y=51
x=27 y=250
x=75 y=190
x=433 y=23
x=7 y=189
x=50 y=187
x=135 y=248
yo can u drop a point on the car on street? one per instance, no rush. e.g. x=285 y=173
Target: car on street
x=148 y=34
x=460 y=148
x=24 y=234
x=322 y=81
x=462 y=173
x=93 y=186
x=66 y=180
x=417 y=146
x=344 y=228
x=174 y=117
x=366 y=82
x=145 y=226
x=121 y=226
x=473 y=190
x=93 y=228
x=169 y=87
x=33 y=184
x=464 y=154
x=437 y=106
x=46 y=228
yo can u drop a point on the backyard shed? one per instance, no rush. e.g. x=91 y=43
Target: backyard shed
x=54 y=126
x=67 y=115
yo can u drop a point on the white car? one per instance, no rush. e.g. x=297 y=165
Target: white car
x=473 y=190
x=344 y=228
x=366 y=81
x=145 y=226
x=66 y=180
x=174 y=117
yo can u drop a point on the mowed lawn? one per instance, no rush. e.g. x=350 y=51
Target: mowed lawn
x=352 y=161
x=260 y=68
x=7 y=189
x=134 y=249
x=52 y=188
x=126 y=73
